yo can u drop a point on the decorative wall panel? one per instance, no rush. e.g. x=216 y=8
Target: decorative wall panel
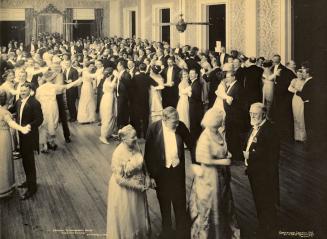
x=237 y=25
x=268 y=30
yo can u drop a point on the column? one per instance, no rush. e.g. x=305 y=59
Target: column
x=251 y=28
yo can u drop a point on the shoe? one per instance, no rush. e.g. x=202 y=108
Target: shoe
x=72 y=120
x=52 y=147
x=23 y=185
x=103 y=140
x=44 y=151
x=16 y=153
x=27 y=194
x=68 y=140
x=99 y=124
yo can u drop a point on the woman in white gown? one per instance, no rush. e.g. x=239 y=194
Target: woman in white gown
x=127 y=214
x=185 y=91
x=46 y=95
x=298 y=107
x=221 y=96
x=268 y=79
x=87 y=103
x=108 y=106
x=157 y=84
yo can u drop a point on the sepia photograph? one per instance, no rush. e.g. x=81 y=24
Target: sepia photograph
x=163 y=119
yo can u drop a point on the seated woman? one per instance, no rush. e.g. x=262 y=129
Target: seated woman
x=127 y=215
x=211 y=201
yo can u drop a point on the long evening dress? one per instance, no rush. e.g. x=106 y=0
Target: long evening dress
x=46 y=95
x=298 y=110
x=108 y=108
x=155 y=99
x=87 y=104
x=211 y=202
x=7 y=176
x=127 y=215
x=268 y=91
x=183 y=104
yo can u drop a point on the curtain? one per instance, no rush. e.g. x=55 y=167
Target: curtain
x=98 y=13
x=68 y=28
x=29 y=25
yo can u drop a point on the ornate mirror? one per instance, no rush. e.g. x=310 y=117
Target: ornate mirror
x=50 y=20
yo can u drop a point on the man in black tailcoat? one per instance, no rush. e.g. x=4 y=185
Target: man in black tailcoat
x=282 y=103
x=165 y=160
x=29 y=112
x=261 y=153
x=70 y=75
x=196 y=108
x=171 y=77
x=140 y=101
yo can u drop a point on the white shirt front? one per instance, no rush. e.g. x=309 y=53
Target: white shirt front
x=253 y=135
x=67 y=73
x=170 y=75
x=222 y=58
x=21 y=109
x=171 y=153
x=230 y=86
x=119 y=77
x=276 y=68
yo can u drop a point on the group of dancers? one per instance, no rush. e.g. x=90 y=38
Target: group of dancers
x=224 y=108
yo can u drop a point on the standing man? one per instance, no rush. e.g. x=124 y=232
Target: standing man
x=171 y=77
x=123 y=94
x=165 y=160
x=307 y=95
x=196 y=108
x=234 y=121
x=282 y=104
x=261 y=155
x=70 y=75
x=140 y=101
x=29 y=113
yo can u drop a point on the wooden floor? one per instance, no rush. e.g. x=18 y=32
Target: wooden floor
x=71 y=200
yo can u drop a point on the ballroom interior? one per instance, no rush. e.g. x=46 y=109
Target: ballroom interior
x=73 y=182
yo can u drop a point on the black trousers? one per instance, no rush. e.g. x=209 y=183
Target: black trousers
x=234 y=141
x=29 y=168
x=140 y=122
x=71 y=103
x=265 y=194
x=171 y=192
x=309 y=122
x=62 y=115
x=122 y=112
x=196 y=112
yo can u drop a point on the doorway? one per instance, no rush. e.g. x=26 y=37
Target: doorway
x=83 y=29
x=217 y=27
x=165 y=30
x=12 y=30
x=302 y=36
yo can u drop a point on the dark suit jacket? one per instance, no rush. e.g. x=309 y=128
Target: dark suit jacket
x=214 y=78
x=124 y=86
x=282 y=83
x=240 y=75
x=225 y=59
x=154 y=154
x=235 y=112
x=170 y=95
x=72 y=75
x=32 y=115
x=253 y=85
x=264 y=154
x=140 y=94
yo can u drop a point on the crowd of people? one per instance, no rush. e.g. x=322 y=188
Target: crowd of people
x=224 y=108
